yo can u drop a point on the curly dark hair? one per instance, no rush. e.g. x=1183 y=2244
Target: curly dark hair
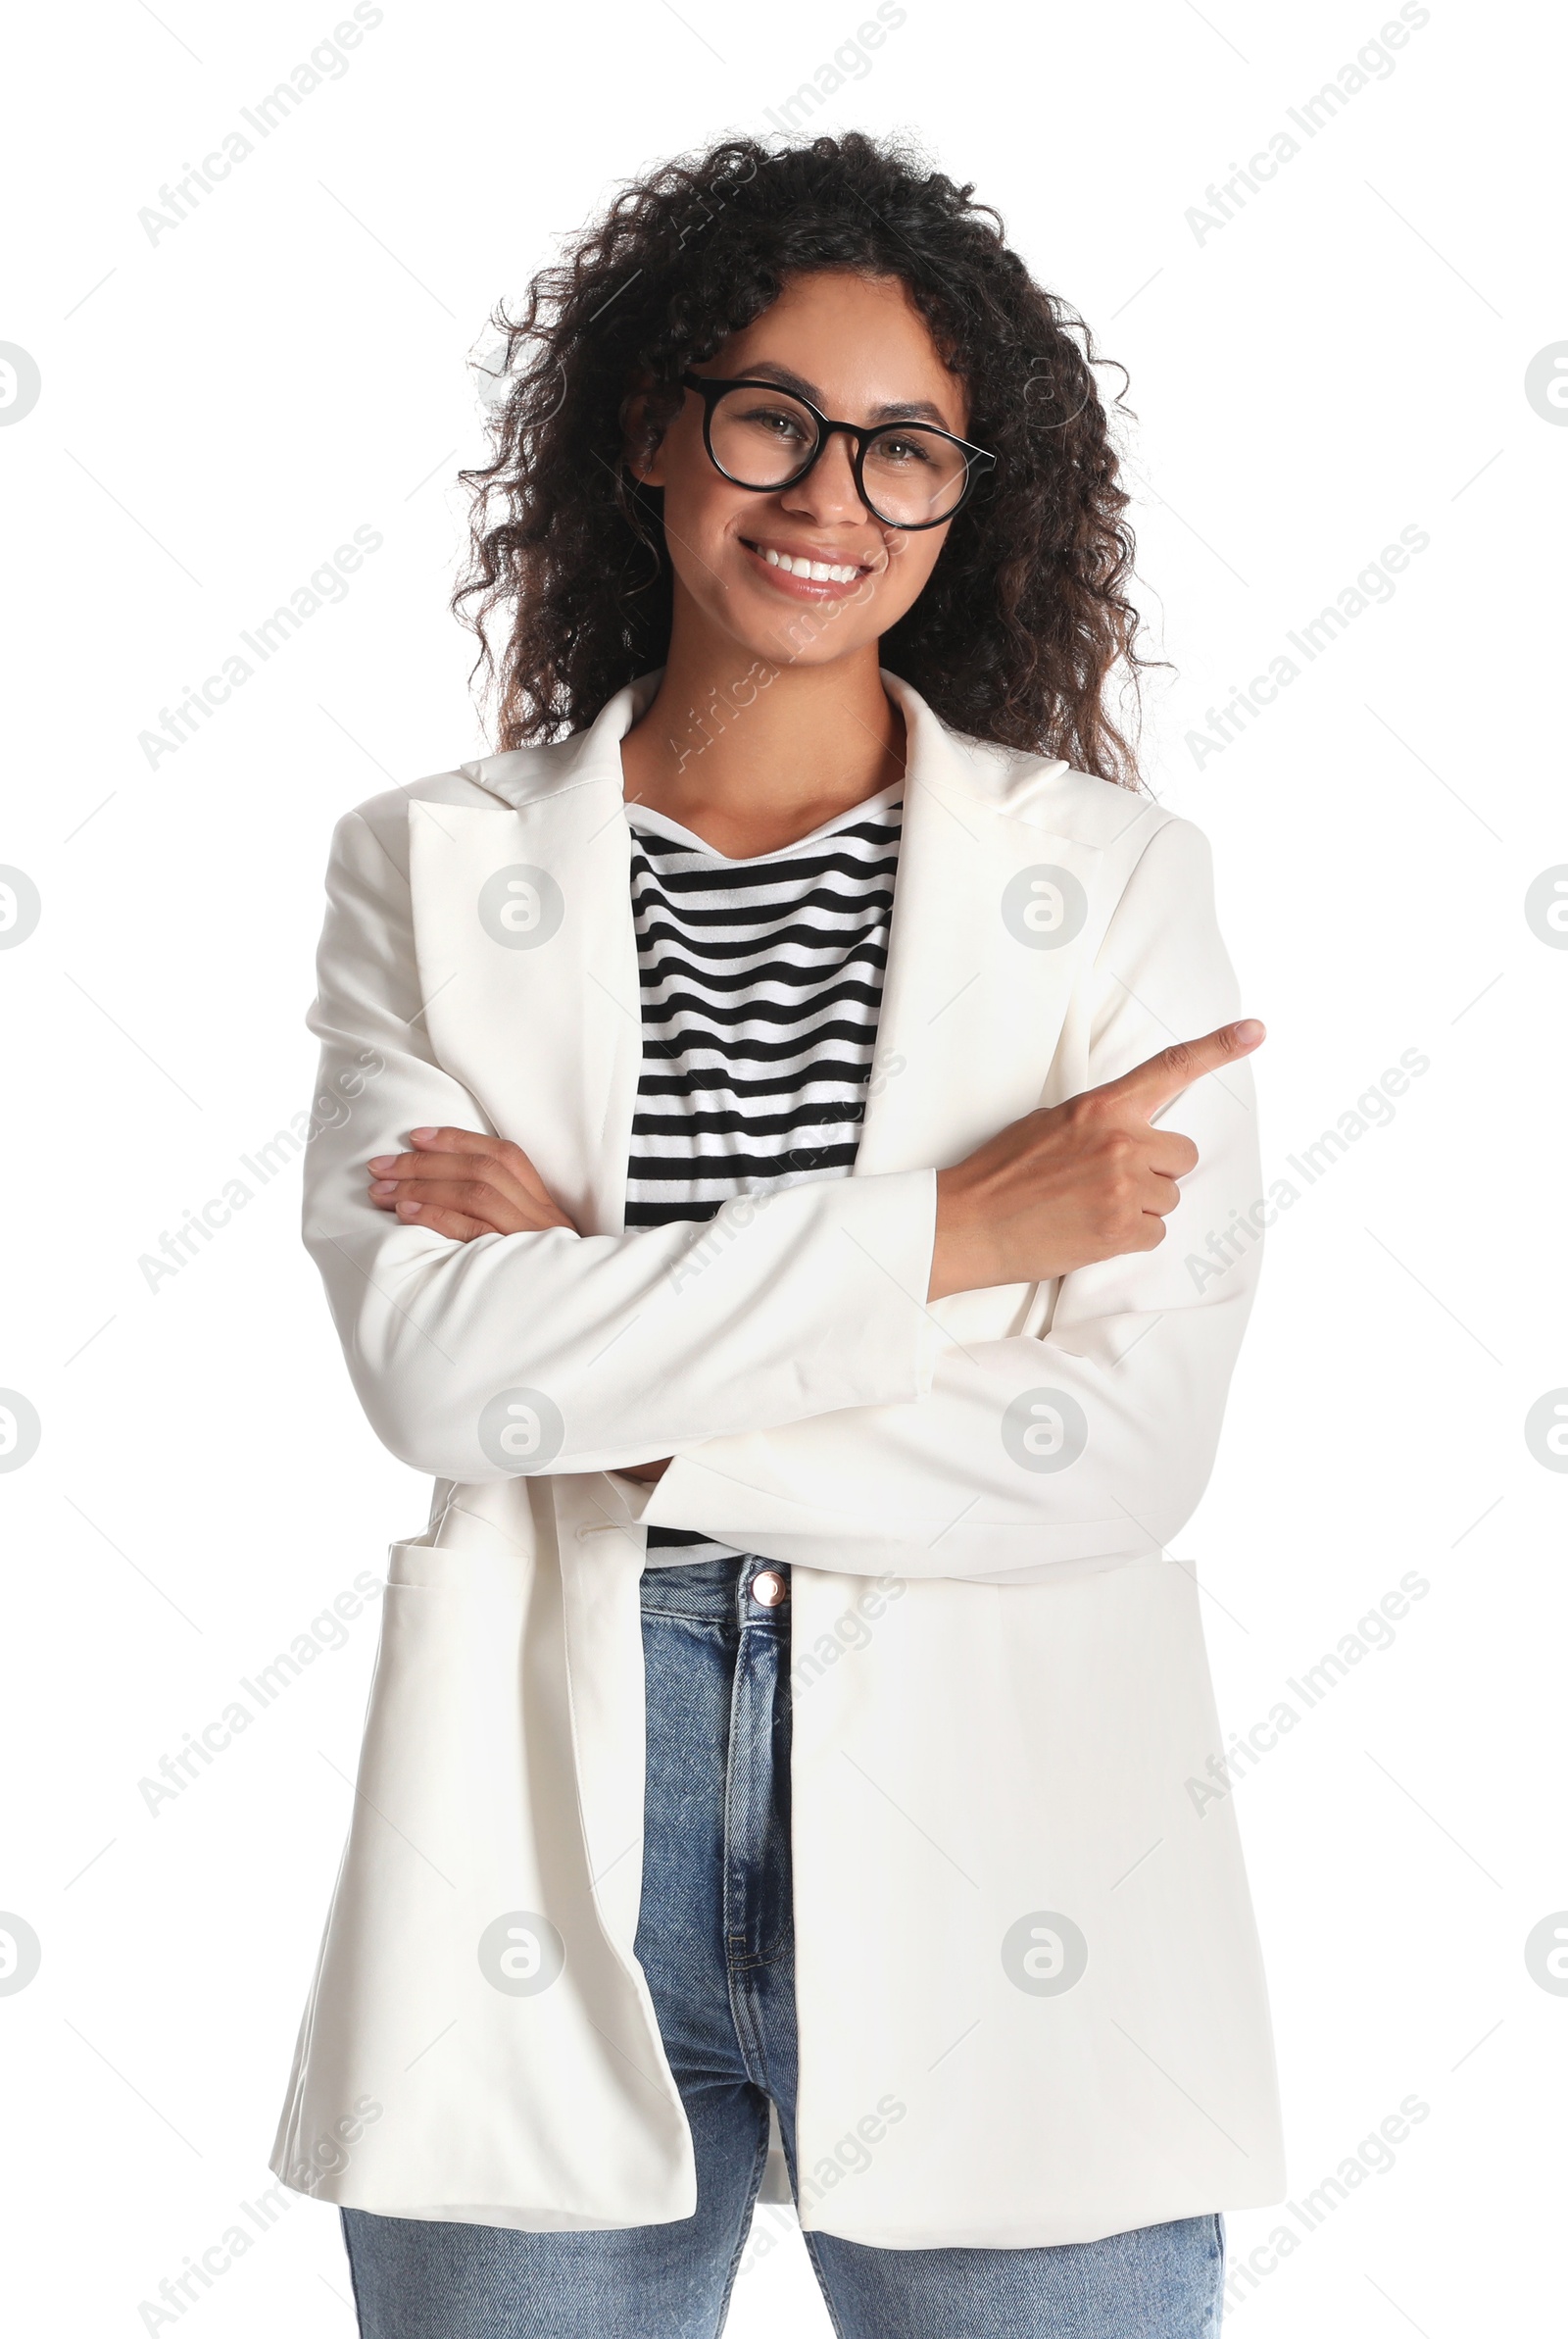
x=1024 y=623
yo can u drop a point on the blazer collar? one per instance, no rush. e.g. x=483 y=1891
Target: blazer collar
x=1016 y=785
x=589 y=758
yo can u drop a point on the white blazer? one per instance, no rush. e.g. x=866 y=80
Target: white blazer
x=1031 y=2005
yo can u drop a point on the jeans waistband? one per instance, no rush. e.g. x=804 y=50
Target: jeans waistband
x=714 y=1591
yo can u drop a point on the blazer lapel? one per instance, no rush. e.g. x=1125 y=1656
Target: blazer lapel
x=991 y=915
x=528 y=955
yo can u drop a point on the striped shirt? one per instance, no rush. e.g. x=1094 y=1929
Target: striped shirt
x=762 y=985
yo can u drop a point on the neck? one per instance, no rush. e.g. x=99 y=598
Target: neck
x=751 y=755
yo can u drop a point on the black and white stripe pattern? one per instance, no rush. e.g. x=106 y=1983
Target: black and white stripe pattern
x=761 y=985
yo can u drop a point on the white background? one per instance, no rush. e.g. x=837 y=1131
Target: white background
x=221 y=409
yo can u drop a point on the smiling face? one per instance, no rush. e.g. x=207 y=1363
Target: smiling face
x=805 y=575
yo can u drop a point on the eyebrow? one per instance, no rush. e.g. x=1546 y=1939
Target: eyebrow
x=904 y=410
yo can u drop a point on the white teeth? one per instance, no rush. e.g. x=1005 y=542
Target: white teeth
x=820 y=571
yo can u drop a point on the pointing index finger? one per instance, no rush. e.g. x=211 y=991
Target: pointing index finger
x=1152 y=1086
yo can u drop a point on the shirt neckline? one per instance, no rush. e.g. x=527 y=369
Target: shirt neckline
x=639 y=815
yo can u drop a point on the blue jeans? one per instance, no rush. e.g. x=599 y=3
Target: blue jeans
x=715 y=1941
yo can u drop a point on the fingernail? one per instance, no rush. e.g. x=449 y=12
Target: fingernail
x=410 y=1210
x=420 y=1135
x=381 y=1161
x=383 y=1186
x=1250 y=1032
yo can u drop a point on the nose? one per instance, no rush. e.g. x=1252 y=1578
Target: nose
x=828 y=491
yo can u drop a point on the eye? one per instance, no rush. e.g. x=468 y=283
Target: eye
x=780 y=422
x=906 y=449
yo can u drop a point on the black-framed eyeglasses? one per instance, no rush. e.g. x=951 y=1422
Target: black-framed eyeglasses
x=906 y=475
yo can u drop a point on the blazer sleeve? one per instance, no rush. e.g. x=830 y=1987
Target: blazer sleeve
x=520 y=1354
x=1094 y=1438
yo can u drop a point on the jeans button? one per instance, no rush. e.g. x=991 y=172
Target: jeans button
x=768 y=1588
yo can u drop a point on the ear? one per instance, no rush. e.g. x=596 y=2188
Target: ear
x=642 y=452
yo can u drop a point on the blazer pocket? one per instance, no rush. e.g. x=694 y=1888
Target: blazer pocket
x=420 y=1566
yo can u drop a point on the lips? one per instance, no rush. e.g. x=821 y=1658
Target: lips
x=800 y=565
x=807 y=572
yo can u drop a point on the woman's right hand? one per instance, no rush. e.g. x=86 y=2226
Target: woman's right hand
x=1072 y=1184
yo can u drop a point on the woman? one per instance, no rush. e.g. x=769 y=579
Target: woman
x=787 y=1728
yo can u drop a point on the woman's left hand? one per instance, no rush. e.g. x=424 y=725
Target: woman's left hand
x=461 y=1184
